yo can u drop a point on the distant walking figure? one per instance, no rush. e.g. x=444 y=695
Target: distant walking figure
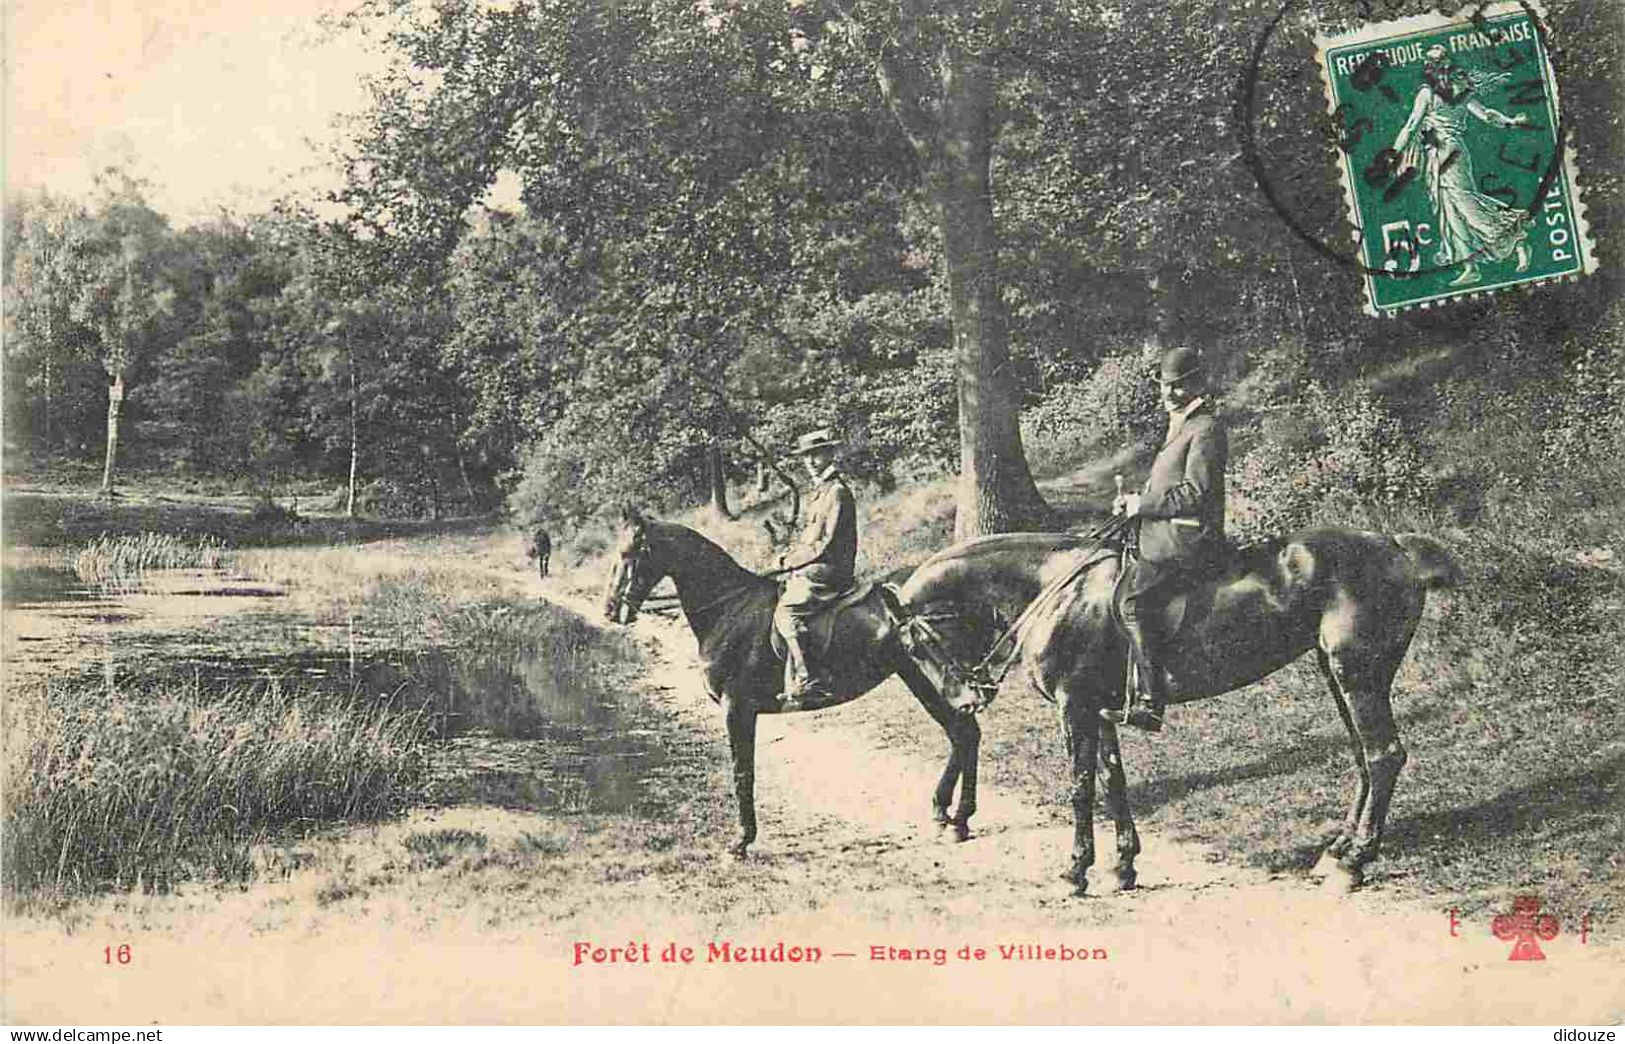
x=541 y=549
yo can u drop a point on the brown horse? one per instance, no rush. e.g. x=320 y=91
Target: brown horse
x=730 y=610
x=1353 y=597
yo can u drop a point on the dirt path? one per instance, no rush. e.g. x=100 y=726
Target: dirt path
x=846 y=863
x=843 y=817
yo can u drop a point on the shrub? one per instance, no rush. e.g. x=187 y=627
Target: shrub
x=1115 y=404
x=1328 y=456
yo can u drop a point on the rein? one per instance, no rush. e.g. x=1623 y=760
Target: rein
x=983 y=676
x=670 y=603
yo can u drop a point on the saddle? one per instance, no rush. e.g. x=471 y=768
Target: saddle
x=1169 y=614
x=821 y=625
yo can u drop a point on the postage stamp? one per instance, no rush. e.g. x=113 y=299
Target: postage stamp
x=1454 y=158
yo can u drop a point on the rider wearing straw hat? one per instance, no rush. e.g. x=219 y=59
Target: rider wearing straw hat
x=1180 y=524
x=824 y=563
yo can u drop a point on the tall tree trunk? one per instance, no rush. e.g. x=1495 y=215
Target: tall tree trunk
x=996 y=488
x=115 y=401
x=717 y=481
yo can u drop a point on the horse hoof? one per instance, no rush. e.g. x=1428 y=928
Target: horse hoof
x=739 y=850
x=1341 y=880
x=1127 y=882
x=940 y=817
x=1324 y=867
x=961 y=831
x=1078 y=879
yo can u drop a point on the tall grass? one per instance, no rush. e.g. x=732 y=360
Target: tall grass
x=115 y=788
x=121 y=562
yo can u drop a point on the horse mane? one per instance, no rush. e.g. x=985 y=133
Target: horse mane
x=1006 y=542
x=711 y=583
x=700 y=550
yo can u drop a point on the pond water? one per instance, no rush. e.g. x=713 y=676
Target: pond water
x=516 y=728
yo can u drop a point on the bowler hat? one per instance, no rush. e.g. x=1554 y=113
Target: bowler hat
x=822 y=438
x=1179 y=364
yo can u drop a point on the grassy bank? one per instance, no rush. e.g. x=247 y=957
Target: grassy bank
x=138 y=787
x=161 y=777
x=121 y=562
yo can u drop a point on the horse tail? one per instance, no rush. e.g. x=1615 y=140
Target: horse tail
x=1431 y=563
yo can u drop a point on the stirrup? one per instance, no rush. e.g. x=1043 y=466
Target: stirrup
x=1139 y=715
x=795 y=699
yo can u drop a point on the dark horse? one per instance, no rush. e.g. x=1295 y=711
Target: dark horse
x=1353 y=597
x=730 y=610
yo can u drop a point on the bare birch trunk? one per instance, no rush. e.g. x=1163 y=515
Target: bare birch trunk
x=355 y=453
x=115 y=401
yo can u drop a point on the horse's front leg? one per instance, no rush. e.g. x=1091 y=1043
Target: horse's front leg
x=741 y=717
x=968 y=746
x=964 y=741
x=1128 y=838
x=1080 y=725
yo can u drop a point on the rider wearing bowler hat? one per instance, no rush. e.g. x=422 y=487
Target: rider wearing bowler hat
x=1180 y=524
x=824 y=563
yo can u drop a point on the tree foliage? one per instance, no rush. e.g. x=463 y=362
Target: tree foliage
x=587 y=243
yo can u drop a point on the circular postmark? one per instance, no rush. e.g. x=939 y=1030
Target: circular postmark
x=1450 y=147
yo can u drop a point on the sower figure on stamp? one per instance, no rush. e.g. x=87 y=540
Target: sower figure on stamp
x=1180 y=528
x=1472 y=227
x=824 y=562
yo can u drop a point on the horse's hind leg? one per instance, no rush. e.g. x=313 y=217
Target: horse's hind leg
x=964 y=740
x=1128 y=838
x=1080 y=725
x=1340 y=844
x=741 y=716
x=1366 y=686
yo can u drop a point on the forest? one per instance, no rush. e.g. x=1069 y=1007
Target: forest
x=594 y=252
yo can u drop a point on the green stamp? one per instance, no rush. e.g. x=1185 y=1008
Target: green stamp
x=1453 y=155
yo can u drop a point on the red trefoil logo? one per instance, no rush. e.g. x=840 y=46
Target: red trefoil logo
x=1523 y=926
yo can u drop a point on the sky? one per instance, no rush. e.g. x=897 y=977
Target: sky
x=219 y=103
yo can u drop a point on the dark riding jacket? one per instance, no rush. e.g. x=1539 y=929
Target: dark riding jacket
x=828 y=544
x=1182 y=503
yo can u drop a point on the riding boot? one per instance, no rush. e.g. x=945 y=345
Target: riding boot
x=801 y=681
x=1149 y=696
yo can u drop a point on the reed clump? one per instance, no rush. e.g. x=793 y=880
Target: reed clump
x=114 y=788
x=121 y=562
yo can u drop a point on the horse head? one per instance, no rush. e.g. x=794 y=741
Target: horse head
x=952 y=660
x=634 y=573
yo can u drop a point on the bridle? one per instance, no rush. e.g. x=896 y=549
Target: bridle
x=925 y=641
x=629 y=587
